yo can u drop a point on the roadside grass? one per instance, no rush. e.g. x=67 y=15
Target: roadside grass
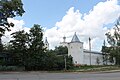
x=81 y=68
x=93 y=68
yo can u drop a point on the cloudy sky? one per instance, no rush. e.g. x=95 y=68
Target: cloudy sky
x=88 y=18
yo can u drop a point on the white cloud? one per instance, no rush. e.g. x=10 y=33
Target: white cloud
x=18 y=25
x=86 y=25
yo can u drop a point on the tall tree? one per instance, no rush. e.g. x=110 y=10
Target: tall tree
x=27 y=49
x=114 y=41
x=19 y=46
x=36 y=57
x=9 y=9
x=36 y=37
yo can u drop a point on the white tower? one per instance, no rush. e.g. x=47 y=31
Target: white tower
x=75 y=49
x=46 y=44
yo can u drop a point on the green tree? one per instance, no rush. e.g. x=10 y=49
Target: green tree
x=66 y=61
x=54 y=61
x=51 y=61
x=9 y=9
x=27 y=49
x=61 y=50
x=36 y=57
x=18 y=47
x=114 y=41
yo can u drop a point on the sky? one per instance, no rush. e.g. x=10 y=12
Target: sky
x=59 y=18
x=47 y=13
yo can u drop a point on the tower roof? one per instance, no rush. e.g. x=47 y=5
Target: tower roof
x=75 y=38
x=64 y=38
x=46 y=41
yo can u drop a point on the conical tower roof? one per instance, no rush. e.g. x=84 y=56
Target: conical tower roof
x=46 y=41
x=75 y=38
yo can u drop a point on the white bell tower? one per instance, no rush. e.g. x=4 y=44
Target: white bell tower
x=46 y=44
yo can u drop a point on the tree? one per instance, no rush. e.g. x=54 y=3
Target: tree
x=98 y=60
x=57 y=62
x=114 y=41
x=53 y=61
x=61 y=50
x=9 y=9
x=66 y=60
x=36 y=37
x=27 y=48
x=36 y=57
x=19 y=47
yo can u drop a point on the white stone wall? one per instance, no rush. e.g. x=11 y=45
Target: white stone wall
x=76 y=51
x=86 y=58
x=96 y=58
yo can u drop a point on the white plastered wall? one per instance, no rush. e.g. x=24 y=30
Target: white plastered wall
x=76 y=51
x=96 y=59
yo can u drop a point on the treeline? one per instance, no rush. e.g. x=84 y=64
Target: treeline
x=27 y=50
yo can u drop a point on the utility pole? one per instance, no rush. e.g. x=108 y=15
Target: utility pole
x=1 y=46
x=90 y=48
x=105 y=52
x=65 y=62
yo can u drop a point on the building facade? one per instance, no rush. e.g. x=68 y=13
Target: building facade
x=80 y=55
